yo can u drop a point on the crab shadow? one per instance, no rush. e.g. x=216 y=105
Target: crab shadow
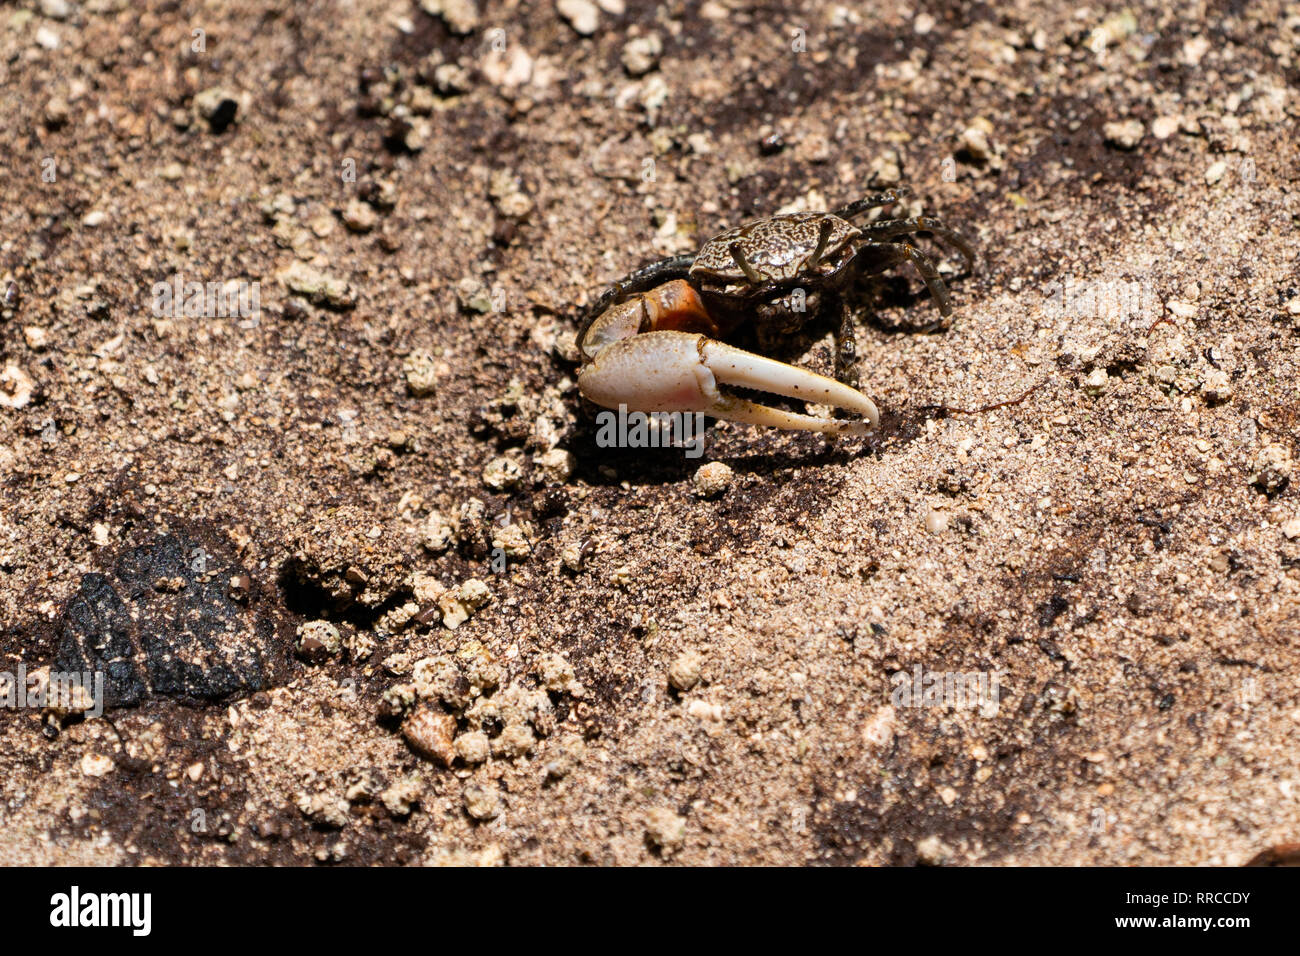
x=746 y=450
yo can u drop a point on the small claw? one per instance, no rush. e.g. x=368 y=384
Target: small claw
x=673 y=305
x=681 y=371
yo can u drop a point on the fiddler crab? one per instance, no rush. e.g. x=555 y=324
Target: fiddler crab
x=653 y=341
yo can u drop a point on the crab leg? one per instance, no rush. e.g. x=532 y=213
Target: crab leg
x=877 y=257
x=888 y=228
x=681 y=371
x=887 y=198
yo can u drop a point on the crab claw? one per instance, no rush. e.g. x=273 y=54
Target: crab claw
x=681 y=372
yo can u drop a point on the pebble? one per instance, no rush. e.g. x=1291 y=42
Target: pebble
x=1096 y=381
x=1165 y=126
x=515 y=741
x=279 y=206
x=16 y=387
x=1272 y=468
x=473 y=747
x=572 y=557
x=703 y=710
x=1126 y=134
x=96 y=765
x=506 y=193
x=359 y=645
x=470 y=513
x=556 y=673
x=1216 y=387
x=712 y=479
x=319 y=287
x=481 y=670
x=56 y=112
x=359 y=216
x=439 y=679
x=513 y=540
x=1114 y=29
x=1194 y=49
x=654 y=93
x=57 y=9
x=1291 y=528
x=461 y=16
x=571 y=750
x=421 y=371
x=641 y=54
x=10 y=300
x=814 y=147
x=932 y=851
x=436 y=534
x=880 y=729
x=459 y=603
x=665 y=829
x=323 y=808
x=401 y=797
x=936 y=521
x=686 y=670
x=396 y=700
x=318 y=640
x=501 y=473
x=1216 y=172
x=514 y=205
x=93 y=218
x=887 y=168
x=482 y=803
x=421 y=101
x=582 y=15
x=976 y=139
x=216 y=105
x=321 y=225
x=452 y=78
x=556 y=466
x=509 y=69
x=474 y=295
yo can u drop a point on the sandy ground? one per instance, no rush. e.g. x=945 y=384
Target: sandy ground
x=1079 y=516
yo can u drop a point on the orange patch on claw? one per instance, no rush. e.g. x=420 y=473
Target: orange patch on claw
x=676 y=307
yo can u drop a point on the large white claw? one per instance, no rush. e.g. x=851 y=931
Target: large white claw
x=681 y=371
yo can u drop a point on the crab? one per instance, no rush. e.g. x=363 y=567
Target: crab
x=654 y=342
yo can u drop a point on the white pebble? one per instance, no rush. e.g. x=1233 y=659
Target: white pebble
x=582 y=15
x=712 y=478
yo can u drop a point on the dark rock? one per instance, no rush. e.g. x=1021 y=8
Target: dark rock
x=163 y=622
